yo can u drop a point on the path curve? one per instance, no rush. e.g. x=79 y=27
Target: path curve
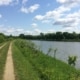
x=9 y=69
x=2 y=46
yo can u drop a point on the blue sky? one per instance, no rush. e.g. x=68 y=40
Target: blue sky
x=36 y=16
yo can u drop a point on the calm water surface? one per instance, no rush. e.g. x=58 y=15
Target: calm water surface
x=64 y=49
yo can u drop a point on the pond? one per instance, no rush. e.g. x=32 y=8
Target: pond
x=64 y=49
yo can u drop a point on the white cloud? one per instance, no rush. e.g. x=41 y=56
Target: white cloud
x=62 y=1
x=51 y=31
x=31 y=9
x=46 y=21
x=0 y=16
x=17 y=31
x=28 y=33
x=24 y=9
x=34 y=25
x=11 y=30
x=24 y=2
x=7 y=2
x=39 y=17
x=65 y=15
x=71 y=29
x=33 y=32
x=55 y=14
x=69 y=3
x=71 y=20
x=37 y=31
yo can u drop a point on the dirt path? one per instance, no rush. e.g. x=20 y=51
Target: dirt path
x=2 y=45
x=9 y=69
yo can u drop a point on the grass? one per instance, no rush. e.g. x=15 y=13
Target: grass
x=31 y=64
x=23 y=69
x=1 y=44
x=3 y=55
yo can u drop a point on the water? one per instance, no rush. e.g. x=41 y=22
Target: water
x=64 y=49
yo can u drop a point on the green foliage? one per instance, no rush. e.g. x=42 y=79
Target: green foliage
x=23 y=68
x=72 y=60
x=58 y=36
x=2 y=39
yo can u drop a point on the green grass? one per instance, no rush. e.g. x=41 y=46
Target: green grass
x=31 y=64
x=23 y=69
x=1 y=44
x=3 y=55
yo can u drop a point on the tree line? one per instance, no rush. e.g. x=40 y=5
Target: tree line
x=4 y=37
x=58 y=36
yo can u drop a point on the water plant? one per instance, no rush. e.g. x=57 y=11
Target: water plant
x=55 y=50
x=72 y=60
x=50 y=50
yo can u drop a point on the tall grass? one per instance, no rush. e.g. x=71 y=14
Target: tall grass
x=1 y=44
x=44 y=66
x=23 y=68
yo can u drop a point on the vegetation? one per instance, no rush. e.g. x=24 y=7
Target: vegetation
x=3 y=54
x=2 y=37
x=72 y=60
x=31 y=64
x=23 y=68
x=1 y=43
x=58 y=36
x=5 y=38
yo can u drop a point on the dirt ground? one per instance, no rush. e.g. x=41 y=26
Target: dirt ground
x=9 y=69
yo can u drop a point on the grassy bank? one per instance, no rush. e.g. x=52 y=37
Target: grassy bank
x=23 y=69
x=31 y=64
x=3 y=55
x=2 y=43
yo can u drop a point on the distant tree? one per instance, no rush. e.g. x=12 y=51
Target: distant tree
x=78 y=35
x=42 y=36
x=22 y=36
x=75 y=36
x=2 y=37
x=66 y=35
x=59 y=36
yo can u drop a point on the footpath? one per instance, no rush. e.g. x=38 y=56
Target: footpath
x=9 y=69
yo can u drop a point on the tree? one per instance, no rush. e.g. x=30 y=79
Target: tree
x=22 y=36
x=2 y=37
x=42 y=36
x=59 y=36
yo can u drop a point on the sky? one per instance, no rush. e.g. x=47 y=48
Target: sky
x=36 y=16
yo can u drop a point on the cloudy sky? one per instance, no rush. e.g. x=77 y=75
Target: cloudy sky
x=35 y=16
